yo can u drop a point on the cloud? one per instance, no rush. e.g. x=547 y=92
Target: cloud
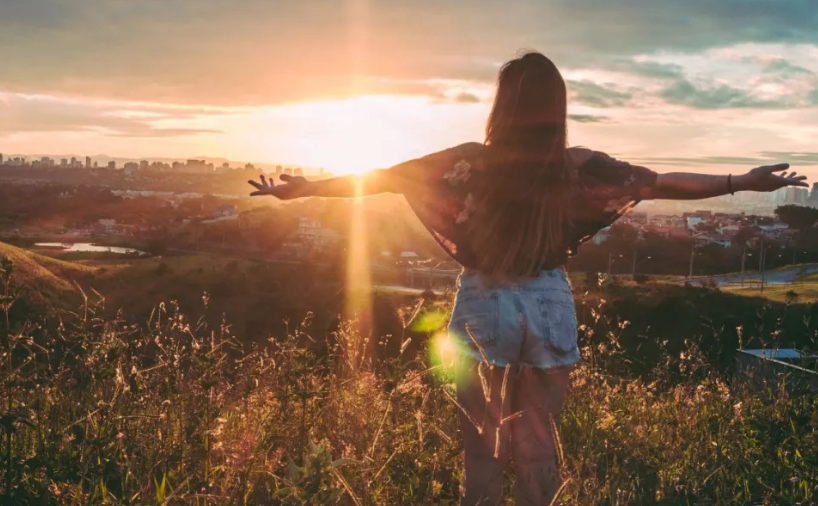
x=466 y=98
x=648 y=68
x=786 y=68
x=249 y=52
x=792 y=157
x=812 y=97
x=587 y=118
x=762 y=158
x=718 y=96
x=590 y=93
x=20 y=113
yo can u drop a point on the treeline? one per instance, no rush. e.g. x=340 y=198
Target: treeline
x=656 y=254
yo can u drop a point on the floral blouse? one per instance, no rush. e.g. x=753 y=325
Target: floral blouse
x=440 y=189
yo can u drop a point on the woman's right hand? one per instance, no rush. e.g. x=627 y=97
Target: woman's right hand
x=293 y=187
x=765 y=179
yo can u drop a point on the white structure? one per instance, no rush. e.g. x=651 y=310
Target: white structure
x=312 y=233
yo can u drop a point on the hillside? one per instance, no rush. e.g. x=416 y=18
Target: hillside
x=47 y=282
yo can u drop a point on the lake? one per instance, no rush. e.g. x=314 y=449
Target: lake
x=87 y=247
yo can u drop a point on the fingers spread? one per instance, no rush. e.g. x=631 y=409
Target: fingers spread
x=255 y=184
x=286 y=177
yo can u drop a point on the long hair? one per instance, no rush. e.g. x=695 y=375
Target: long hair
x=523 y=204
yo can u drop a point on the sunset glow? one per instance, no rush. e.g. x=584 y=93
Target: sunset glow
x=371 y=84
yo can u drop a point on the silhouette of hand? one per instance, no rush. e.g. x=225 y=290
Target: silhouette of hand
x=293 y=187
x=765 y=179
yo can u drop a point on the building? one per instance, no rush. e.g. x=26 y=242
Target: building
x=64 y=162
x=299 y=172
x=801 y=195
x=254 y=219
x=223 y=213
x=87 y=162
x=1 y=158
x=311 y=233
x=131 y=168
x=112 y=165
x=288 y=171
x=279 y=168
x=692 y=221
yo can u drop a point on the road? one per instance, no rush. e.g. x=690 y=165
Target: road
x=776 y=277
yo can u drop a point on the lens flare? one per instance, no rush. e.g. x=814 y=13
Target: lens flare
x=444 y=350
x=358 y=297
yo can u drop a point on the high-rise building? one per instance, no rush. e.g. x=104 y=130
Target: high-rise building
x=87 y=162
x=112 y=165
x=795 y=195
x=813 y=195
x=63 y=162
x=288 y=171
x=279 y=168
x=1 y=158
x=299 y=172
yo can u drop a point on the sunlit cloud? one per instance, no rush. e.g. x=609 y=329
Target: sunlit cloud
x=355 y=85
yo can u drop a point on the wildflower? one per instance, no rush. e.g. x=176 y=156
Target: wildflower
x=607 y=421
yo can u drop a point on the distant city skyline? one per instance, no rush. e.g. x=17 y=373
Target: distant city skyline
x=354 y=85
x=82 y=161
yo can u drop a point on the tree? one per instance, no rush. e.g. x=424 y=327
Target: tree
x=798 y=217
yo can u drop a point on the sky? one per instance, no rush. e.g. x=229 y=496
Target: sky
x=352 y=85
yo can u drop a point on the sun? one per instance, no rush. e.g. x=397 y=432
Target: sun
x=365 y=135
x=356 y=135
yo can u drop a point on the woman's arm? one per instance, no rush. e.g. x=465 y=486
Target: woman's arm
x=407 y=176
x=294 y=187
x=690 y=186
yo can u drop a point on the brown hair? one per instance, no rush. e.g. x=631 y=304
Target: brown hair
x=522 y=205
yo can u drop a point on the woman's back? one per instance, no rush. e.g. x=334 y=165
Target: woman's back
x=442 y=189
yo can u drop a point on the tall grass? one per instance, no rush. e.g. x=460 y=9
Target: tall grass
x=102 y=411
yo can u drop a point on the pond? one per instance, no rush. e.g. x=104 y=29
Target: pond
x=87 y=247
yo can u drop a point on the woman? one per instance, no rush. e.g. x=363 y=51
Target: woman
x=511 y=211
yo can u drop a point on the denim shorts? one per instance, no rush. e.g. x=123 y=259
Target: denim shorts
x=533 y=322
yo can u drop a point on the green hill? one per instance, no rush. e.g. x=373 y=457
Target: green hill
x=47 y=282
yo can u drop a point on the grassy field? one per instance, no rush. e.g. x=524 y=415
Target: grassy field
x=804 y=290
x=185 y=410
x=184 y=414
